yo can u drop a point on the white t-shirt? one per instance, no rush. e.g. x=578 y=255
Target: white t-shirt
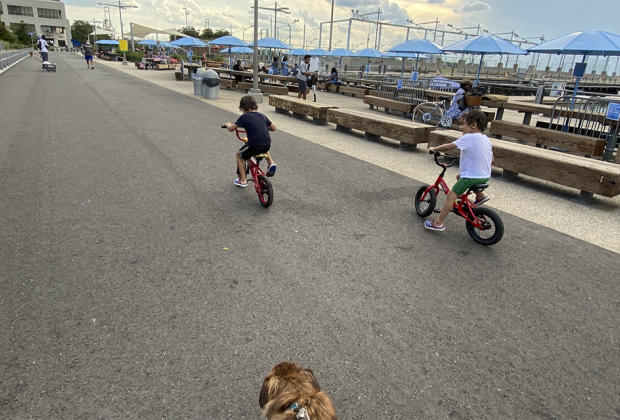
x=476 y=156
x=302 y=69
x=43 y=45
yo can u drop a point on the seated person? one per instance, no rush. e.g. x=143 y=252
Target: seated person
x=458 y=106
x=295 y=70
x=238 y=67
x=333 y=79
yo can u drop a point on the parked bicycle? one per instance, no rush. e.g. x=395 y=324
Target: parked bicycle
x=483 y=224
x=262 y=184
x=434 y=113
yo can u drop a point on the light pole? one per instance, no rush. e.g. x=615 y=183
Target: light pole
x=120 y=15
x=275 y=9
x=186 y=14
x=206 y=23
x=289 y=29
x=436 y=22
x=331 y=27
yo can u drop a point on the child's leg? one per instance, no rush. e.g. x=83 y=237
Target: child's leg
x=479 y=195
x=241 y=169
x=445 y=209
x=269 y=159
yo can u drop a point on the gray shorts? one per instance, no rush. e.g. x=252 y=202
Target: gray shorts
x=303 y=86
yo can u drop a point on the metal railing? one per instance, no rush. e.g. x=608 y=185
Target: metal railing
x=402 y=90
x=8 y=58
x=587 y=117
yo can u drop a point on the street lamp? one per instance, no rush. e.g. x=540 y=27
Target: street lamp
x=275 y=9
x=186 y=14
x=289 y=28
x=206 y=23
x=120 y=15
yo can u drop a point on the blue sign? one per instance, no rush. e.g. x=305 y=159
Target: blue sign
x=580 y=69
x=613 y=112
x=400 y=85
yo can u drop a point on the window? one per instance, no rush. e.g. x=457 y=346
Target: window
x=60 y=30
x=48 y=13
x=19 y=10
x=46 y=29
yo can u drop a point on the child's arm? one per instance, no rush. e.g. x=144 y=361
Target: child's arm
x=271 y=127
x=443 y=148
x=231 y=127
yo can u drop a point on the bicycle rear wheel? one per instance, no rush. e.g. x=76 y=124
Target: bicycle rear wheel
x=493 y=227
x=265 y=195
x=428 y=113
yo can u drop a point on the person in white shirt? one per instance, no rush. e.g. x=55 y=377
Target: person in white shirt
x=301 y=77
x=43 y=47
x=475 y=165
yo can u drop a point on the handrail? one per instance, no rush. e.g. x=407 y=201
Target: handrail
x=12 y=57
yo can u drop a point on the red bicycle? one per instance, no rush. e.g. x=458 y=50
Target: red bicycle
x=262 y=184
x=483 y=224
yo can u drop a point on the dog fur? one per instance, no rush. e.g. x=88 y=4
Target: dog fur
x=289 y=383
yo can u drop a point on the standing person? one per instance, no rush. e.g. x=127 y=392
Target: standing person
x=257 y=127
x=190 y=54
x=285 y=70
x=43 y=48
x=274 y=65
x=88 y=55
x=475 y=165
x=301 y=77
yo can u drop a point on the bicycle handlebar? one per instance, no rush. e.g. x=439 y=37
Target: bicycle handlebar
x=237 y=131
x=438 y=154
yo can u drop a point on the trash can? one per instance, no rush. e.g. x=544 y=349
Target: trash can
x=197 y=84
x=211 y=85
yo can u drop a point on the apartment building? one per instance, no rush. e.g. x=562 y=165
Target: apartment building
x=45 y=17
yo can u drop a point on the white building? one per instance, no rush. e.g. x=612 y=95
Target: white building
x=45 y=17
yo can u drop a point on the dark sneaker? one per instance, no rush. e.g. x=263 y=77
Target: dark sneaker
x=481 y=201
x=240 y=184
x=272 y=170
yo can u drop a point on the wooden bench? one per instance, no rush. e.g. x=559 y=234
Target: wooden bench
x=409 y=134
x=353 y=90
x=587 y=175
x=332 y=88
x=389 y=104
x=228 y=83
x=582 y=145
x=300 y=108
x=271 y=89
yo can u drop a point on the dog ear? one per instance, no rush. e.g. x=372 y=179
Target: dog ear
x=264 y=393
x=320 y=407
x=313 y=380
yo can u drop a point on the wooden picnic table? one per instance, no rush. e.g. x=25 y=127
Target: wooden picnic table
x=357 y=81
x=247 y=75
x=191 y=68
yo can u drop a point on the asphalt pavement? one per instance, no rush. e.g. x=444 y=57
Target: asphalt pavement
x=138 y=282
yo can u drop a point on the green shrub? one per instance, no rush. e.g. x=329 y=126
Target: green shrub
x=175 y=56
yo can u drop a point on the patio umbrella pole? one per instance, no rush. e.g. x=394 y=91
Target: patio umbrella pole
x=416 y=64
x=479 y=67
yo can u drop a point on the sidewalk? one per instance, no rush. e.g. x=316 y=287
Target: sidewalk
x=544 y=203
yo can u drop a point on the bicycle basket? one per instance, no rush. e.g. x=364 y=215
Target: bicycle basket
x=472 y=100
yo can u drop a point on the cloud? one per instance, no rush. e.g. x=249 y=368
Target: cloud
x=435 y=1
x=477 y=6
x=357 y=4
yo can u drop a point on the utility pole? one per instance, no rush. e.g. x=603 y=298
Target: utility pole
x=95 y=28
x=186 y=13
x=275 y=10
x=331 y=26
x=303 y=45
x=206 y=23
x=377 y=28
x=120 y=15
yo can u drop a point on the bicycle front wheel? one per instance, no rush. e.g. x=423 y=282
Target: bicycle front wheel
x=425 y=207
x=428 y=113
x=265 y=194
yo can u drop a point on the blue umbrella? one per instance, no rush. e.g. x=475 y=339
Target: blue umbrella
x=241 y=50
x=107 y=42
x=229 y=41
x=298 y=51
x=415 y=46
x=484 y=44
x=150 y=42
x=272 y=43
x=317 y=52
x=581 y=43
x=405 y=55
x=340 y=52
x=368 y=53
x=189 y=41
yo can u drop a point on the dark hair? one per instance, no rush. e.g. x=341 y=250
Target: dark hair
x=475 y=116
x=248 y=103
x=285 y=58
x=334 y=70
x=306 y=56
x=275 y=58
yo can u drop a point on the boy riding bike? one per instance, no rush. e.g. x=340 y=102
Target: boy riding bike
x=257 y=127
x=474 y=167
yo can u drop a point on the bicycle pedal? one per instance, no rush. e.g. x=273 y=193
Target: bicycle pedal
x=437 y=211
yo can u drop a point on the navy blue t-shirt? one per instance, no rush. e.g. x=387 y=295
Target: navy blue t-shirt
x=255 y=124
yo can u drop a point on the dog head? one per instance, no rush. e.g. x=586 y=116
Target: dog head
x=291 y=392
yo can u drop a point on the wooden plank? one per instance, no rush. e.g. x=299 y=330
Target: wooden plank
x=403 y=131
x=552 y=138
x=275 y=90
x=353 y=90
x=389 y=104
x=299 y=106
x=228 y=82
x=602 y=178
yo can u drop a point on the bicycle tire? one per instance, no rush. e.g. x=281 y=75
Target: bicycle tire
x=265 y=196
x=427 y=113
x=486 y=216
x=426 y=207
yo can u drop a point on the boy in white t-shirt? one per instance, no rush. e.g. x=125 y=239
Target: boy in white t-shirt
x=475 y=165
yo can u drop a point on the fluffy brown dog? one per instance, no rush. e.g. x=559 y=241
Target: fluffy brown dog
x=291 y=392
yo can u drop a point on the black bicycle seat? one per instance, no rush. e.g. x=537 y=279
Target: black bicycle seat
x=479 y=187
x=444 y=98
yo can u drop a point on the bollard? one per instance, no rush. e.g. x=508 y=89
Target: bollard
x=539 y=94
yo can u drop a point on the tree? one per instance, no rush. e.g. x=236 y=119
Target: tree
x=5 y=34
x=210 y=34
x=80 y=29
x=21 y=32
x=190 y=31
x=220 y=32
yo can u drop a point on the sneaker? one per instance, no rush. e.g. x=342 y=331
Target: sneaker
x=272 y=170
x=481 y=201
x=430 y=225
x=92 y=68
x=240 y=184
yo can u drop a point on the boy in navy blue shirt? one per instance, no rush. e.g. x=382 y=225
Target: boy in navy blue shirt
x=258 y=141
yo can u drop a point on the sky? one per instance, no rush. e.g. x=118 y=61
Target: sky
x=527 y=18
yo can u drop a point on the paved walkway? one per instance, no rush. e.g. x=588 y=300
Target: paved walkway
x=544 y=203
x=137 y=281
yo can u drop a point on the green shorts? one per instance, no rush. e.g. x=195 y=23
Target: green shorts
x=464 y=184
